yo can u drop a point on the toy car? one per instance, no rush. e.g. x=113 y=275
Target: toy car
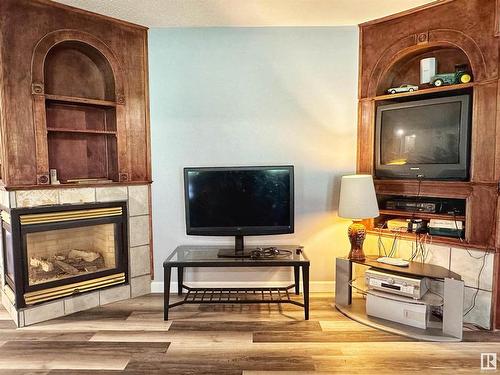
x=402 y=88
x=461 y=75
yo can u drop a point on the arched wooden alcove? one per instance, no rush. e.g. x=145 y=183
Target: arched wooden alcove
x=399 y=63
x=77 y=69
x=77 y=91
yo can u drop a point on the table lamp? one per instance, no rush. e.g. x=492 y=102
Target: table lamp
x=357 y=202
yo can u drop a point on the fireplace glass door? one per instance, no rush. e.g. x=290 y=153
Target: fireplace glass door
x=59 y=254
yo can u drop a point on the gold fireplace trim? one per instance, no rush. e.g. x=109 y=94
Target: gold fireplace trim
x=70 y=289
x=53 y=217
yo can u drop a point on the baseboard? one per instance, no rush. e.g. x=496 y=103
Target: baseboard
x=314 y=286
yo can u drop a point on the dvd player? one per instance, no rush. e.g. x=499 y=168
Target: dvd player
x=410 y=205
x=427 y=205
x=408 y=286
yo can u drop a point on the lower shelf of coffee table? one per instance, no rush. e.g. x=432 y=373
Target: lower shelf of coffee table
x=238 y=295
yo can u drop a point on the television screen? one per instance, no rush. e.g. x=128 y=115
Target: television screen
x=421 y=135
x=426 y=138
x=246 y=200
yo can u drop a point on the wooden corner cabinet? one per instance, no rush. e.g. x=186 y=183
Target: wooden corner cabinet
x=454 y=32
x=73 y=96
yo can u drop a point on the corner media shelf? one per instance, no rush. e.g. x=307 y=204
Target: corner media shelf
x=473 y=192
x=443 y=240
x=449 y=330
x=429 y=299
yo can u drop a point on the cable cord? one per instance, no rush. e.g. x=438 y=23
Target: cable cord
x=417 y=198
x=420 y=249
x=483 y=263
x=380 y=243
x=269 y=252
x=473 y=303
x=429 y=290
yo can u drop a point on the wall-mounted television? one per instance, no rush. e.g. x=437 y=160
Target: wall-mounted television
x=426 y=139
x=239 y=201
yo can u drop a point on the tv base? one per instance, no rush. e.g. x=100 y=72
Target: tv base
x=238 y=251
x=232 y=253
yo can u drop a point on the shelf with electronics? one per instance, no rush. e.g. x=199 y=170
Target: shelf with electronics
x=398 y=300
x=390 y=53
x=397 y=83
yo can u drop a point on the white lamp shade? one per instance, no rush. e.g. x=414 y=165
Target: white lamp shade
x=357 y=197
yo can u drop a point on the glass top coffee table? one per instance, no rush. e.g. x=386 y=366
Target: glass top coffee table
x=207 y=256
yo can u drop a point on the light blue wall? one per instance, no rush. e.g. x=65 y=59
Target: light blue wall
x=255 y=96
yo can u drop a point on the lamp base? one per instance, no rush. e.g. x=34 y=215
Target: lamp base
x=357 y=235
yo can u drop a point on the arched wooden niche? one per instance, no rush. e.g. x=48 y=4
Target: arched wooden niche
x=406 y=70
x=77 y=69
x=399 y=63
x=77 y=92
x=80 y=53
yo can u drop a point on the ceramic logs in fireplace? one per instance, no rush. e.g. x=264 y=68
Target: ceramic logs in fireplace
x=57 y=251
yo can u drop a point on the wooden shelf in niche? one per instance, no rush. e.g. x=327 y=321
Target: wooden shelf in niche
x=422 y=215
x=82 y=139
x=377 y=225
x=81 y=131
x=425 y=91
x=441 y=189
x=78 y=100
x=438 y=240
x=80 y=117
x=406 y=70
x=80 y=155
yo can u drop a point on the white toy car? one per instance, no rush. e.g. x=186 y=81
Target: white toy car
x=402 y=88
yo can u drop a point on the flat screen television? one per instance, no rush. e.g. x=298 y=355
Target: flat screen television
x=426 y=139
x=239 y=201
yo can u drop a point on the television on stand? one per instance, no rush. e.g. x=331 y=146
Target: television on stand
x=239 y=201
x=424 y=139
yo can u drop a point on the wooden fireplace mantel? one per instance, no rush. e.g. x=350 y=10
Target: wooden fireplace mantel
x=73 y=185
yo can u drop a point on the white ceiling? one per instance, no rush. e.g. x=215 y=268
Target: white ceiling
x=251 y=13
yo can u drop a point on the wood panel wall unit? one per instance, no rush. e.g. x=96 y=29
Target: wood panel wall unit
x=73 y=92
x=454 y=32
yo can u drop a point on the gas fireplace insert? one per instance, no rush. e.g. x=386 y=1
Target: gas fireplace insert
x=57 y=251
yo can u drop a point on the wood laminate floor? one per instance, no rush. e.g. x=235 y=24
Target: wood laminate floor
x=131 y=337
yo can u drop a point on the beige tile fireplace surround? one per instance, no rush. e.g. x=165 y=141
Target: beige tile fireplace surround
x=137 y=197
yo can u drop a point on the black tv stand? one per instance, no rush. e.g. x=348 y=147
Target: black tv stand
x=190 y=256
x=237 y=252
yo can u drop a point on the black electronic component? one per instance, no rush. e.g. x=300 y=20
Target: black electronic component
x=426 y=205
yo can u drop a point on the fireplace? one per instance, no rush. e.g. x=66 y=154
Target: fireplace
x=58 y=251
